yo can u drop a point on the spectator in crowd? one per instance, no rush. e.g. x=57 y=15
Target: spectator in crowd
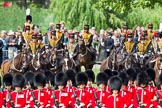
x=101 y=38
x=51 y=26
x=21 y=41
x=12 y=45
x=62 y=26
x=116 y=38
x=4 y=48
x=96 y=45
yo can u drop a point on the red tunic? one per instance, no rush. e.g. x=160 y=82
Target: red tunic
x=42 y=98
x=18 y=98
x=114 y=102
x=145 y=98
x=62 y=97
x=84 y=97
x=27 y=94
x=5 y=95
x=102 y=97
x=155 y=102
x=1 y=99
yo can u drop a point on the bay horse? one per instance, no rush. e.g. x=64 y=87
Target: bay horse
x=84 y=56
x=17 y=64
x=110 y=62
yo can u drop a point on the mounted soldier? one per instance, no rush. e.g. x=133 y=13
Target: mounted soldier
x=27 y=35
x=59 y=34
x=28 y=22
x=150 y=31
x=88 y=38
x=53 y=41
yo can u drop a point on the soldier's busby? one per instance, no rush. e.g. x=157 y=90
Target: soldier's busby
x=29 y=78
x=86 y=27
x=101 y=78
x=142 y=78
x=61 y=79
x=150 y=26
x=91 y=75
x=124 y=78
x=108 y=72
x=160 y=80
x=39 y=36
x=53 y=32
x=58 y=26
x=34 y=36
x=29 y=17
x=145 y=33
x=71 y=36
x=71 y=75
x=130 y=35
x=18 y=81
x=131 y=74
x=115 y=83
x=151 y=74
x=114 y=72
x=81 y=78
x=39 y=80
x=7 y=79
x=124 y=26
x=49 y=77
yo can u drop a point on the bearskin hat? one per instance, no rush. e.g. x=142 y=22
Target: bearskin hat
x=29 y=17
x=86 y=27
x=39 y=80
x=49 y=77
x=150 y=26
x=131 y=74
x=115 y=72
x=101 y=78
x=91 y=75
x=115 y=83
x=151 y=74
x=7 y=79
x=160 y=80
x=29 y=78
x=108 y=72
x=71 y=75
x=124 y=26
x=124 y=78
x=81 y=78
x=18 y=81
x=142 y=78
x=61 y=79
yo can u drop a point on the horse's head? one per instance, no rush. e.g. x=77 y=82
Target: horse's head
x=82 y=47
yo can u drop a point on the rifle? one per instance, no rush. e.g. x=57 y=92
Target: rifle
x=11 y=100
x=157 y=95
x=56 y=102
x=99 y=105
x=36 y=102
x=139 y=100
x=76 y=98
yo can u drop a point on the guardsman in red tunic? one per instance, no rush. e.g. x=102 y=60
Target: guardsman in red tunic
x=59 y=98
x=124 y=93
x=91 y=79
x=29 y=84
x=109 y=74
x=157 y=101
x=39 y=98
x=70 y=86
x=81 y=97
x=17 y=98
x=1 y=96
x=115 y=100
x=142 y=97
x=7 y=81
x=100 y=95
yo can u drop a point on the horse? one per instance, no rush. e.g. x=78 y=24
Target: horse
x=17 y=64
x=85 y=55
x=110 y=62
x=69 y=63
x=158 y=67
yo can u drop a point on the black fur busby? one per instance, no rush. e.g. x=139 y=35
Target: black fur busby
x=160 y=80
x=101 y=78
x=115 y=83
x=91 y=75
x=151 y=74
x=39 y=80
x=124 y=78
x=150 y=26
x=7 y=79
x=18 y=81
x=86 y=27
x=81 y=78
x=142 y=78
x=108 y=72
x=131 y=74
x=61 y=79
x=29 y=78
x=29 y=17
x=115 y=72
x=49 y=77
